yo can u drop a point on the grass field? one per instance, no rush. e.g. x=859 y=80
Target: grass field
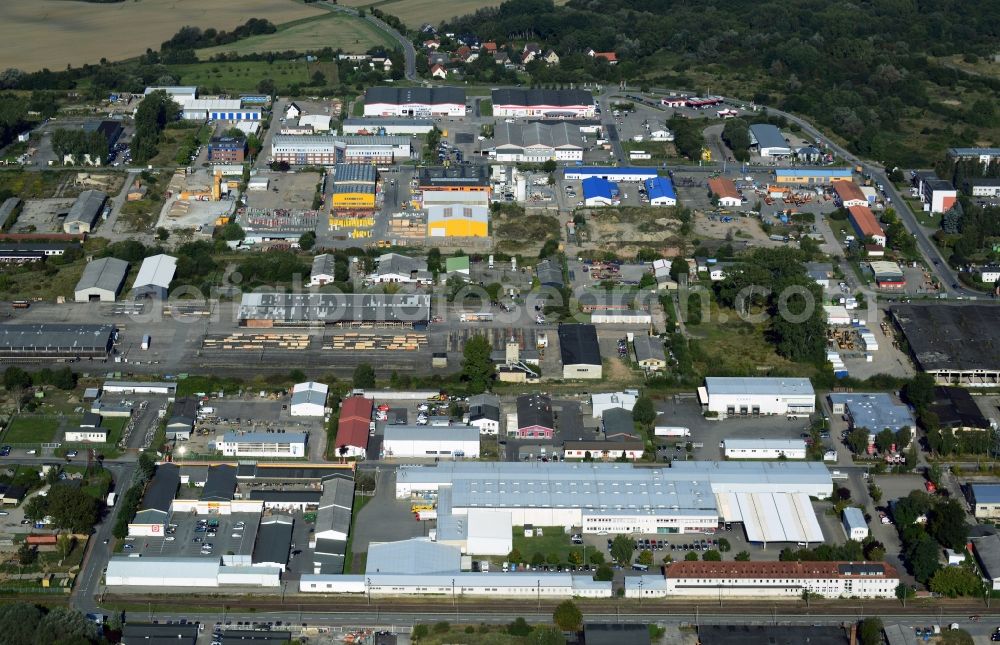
x=26 y=284
x=335 y=30
x=51 y=33
x=554 y=542
x=30 y=429
x=417 y=12
x=243 y=76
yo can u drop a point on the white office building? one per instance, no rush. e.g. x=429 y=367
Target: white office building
x=262 y=444
x=431 y=441
x=755 y=580
x=608 y=400
x=753 y=396
x=764 y=448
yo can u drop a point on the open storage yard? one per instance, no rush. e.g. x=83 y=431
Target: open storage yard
x=52 y=33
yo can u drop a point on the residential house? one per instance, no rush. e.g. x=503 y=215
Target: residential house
x=293 y=111
x=438 y=71
x=535 y=419
x=489 y=47
x=551 y=58
x=463 y=53
x=433 y=44
x=484 y=413
x=611 y=57
x=502 y=58
x=649 y=353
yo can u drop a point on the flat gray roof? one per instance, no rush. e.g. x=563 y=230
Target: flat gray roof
x=431 y=433
x=518 y=135
x=162 y=488
x=415 y=95
x=648 y=348
x=335 y=307
x=757 y=385
x=354 y=173
x=950 y=337
x=107 y=274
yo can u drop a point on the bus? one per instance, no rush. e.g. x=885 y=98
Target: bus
x=145 y=342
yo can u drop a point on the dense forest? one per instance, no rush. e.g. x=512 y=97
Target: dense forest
x=872 y=71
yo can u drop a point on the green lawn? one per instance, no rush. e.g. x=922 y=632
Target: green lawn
x=337 y=30
x=486 y=108
x=31 y=429
x=553 y=541
x=360 y=501
x=115 y=426
x=242 y=76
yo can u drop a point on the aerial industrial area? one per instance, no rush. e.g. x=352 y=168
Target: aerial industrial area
x=433 y=360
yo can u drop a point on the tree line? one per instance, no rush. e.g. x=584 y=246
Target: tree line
x=80 y=143
x=861 y=71
x=151 y=117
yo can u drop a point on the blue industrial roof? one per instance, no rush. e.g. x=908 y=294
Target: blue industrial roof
x=875 y=411
x=986 y=493
x=992 y=152
x=815 y=172
x=599 y=187
x=610 y=171
x=658 y=187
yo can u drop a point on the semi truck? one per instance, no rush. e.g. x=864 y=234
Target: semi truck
x=671 y=431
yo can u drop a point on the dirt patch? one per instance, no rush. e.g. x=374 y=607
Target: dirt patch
x=746 y=229
x=515 y=230
x=626 y=230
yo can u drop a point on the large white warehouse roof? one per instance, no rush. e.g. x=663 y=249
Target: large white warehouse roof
x=760 y=386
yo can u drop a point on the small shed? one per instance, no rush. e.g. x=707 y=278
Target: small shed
x=854 y=524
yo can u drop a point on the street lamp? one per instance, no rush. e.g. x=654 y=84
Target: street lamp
x=452 y=592
x=182 y=451
x=368 y=588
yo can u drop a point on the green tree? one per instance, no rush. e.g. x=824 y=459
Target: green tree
x=477 y=365
x=691 y=556
x=515 y=556
x=604 y=573
x=711 y=555
x=575 y=557
x=596 y=558
x=36 y=508
x=742 y=556
x=65 y=543
x=923 y=558
x=622 y=549
x=857 y=441
x=904 y=592
x=420 y=632
x=15 y=377
x=870 y=631
x=553 y=558
x=232 y=232
x=724 y=545
x=956 y=581
x=364 y=376
x=519 y=627
x=549 y=165
x=644 y=412
x=946 y=524
x=19 y=621
x=442 y=627
x=146 y=466
x=885 y=439
x=26 y=554
x=919 y=391
x=434 y=260
x=567 y=616
x=307 y=240
x=645 y=557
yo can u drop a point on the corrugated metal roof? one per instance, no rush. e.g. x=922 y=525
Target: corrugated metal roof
x=107 y=274
x=986 y=493
x=413 y=556
x=156 y=271
x=766 y=135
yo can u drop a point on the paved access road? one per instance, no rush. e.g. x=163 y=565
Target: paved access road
x=409 y=53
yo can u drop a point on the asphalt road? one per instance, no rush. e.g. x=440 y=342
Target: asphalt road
x=409 y=53
x=931 y=254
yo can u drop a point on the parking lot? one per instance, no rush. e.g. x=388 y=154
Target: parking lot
x=193 y=537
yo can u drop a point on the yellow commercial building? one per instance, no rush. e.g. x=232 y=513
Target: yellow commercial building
x=457 y=220
x=353 y=196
